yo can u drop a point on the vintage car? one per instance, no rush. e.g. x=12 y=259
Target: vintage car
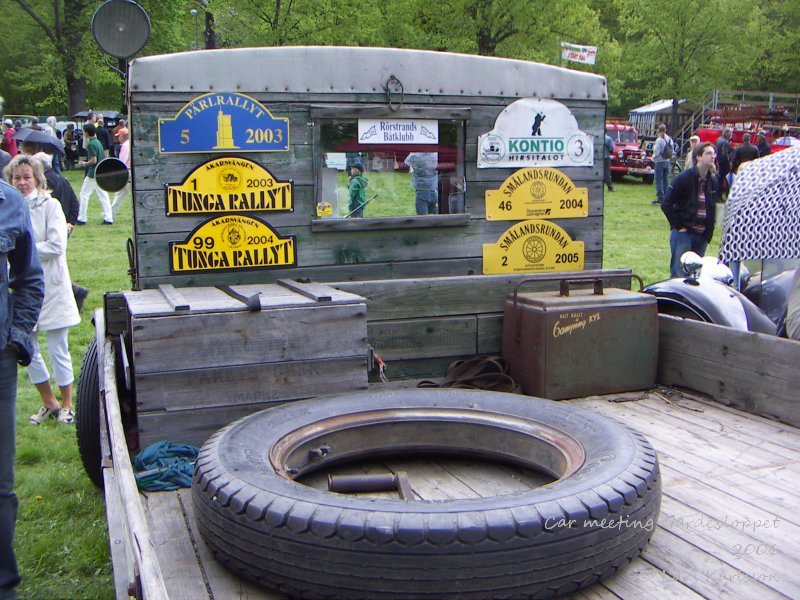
x=628 y=157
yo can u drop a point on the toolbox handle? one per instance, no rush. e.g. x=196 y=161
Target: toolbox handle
x=565 y=281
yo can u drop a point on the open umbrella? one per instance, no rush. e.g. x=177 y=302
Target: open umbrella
x=763 y=216
x=45 y=141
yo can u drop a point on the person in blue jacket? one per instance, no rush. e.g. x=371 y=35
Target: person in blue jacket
x=21 y=295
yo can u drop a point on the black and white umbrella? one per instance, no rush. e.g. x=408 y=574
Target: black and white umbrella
x=763 y=214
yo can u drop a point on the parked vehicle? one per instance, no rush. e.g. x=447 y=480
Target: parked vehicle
x=629 y=158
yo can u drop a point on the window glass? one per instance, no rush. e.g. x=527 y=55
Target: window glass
x=398 y=179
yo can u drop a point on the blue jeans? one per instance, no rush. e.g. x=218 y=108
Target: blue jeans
x=426 y=202
x=680 y=242
x=662 y=175
x=9 y=576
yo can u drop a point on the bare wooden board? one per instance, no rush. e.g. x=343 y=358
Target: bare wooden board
x=222 y=584
x=211 y=299
x=755 y=372
x=183 y=577
x=423 y=338
x=237 y=338
x=192 y=427
x=249 y=384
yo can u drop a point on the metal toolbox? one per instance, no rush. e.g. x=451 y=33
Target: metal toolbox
x=573 y=343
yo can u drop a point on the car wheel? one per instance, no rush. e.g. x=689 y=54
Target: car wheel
x=648 y=179
x=592 y=520
x=87 y=415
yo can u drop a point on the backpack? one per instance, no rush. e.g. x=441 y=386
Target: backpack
x=666 y=153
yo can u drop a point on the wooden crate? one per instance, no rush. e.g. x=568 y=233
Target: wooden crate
x=203 y=359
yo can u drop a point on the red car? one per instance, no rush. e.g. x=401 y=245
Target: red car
x=628 y=158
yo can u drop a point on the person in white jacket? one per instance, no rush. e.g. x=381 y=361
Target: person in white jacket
x=59 y=311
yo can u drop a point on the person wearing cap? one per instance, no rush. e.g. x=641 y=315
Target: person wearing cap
x=358 y=190
x=125 y=158
x=762 y=145
x=689 y=162
x=8 y=143
x=115 y=141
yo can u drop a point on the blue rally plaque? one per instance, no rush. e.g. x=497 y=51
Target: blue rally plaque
x=223 y=122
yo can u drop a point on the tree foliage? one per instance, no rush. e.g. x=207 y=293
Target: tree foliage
x=50 y=64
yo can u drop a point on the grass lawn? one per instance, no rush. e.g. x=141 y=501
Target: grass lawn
x=62 y=543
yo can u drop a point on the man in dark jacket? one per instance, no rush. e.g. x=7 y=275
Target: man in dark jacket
x=744 y=153
x=690 y=206
x=723 y=149
x=762 y=145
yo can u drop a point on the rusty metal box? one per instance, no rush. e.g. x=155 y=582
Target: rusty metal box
x=568 y=344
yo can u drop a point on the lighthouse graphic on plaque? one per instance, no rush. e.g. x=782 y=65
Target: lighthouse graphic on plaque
x=224 y=132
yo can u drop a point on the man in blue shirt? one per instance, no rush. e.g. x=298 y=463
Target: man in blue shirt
x=21 y=295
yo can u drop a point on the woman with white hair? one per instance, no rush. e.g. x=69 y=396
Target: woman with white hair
x=59 y=311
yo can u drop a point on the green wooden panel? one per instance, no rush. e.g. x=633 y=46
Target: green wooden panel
x=352 y=272
x=479 y=294
x=431 y=337
x=358 y=247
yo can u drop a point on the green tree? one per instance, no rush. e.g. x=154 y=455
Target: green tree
x=308 y=22
x=680 y=50
x=61 y=26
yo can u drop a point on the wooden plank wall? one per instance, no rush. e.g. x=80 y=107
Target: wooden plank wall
x=348 y=255
x=196 y=372
x=753 y=372
x=419 y=326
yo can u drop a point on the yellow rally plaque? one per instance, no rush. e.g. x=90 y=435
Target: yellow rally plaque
x=536 y=193
x=234 y=243
x=533 y=247
x=228 y=184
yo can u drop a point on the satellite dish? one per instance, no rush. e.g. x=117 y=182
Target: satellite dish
x=121 y=28
x=111 y=174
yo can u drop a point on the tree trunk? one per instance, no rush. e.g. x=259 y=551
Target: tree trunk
x=76 y=87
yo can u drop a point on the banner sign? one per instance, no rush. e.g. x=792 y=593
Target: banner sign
x=535 y=132
x=533 y=247
x=398 y=131
x=535 y=194
x=228 y=185
x=581 y=54
x=232 y=243
x=222 y=123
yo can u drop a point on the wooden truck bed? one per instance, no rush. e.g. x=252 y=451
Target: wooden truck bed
x=728 y=525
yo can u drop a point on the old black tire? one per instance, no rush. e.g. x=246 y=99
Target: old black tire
x=87 y=415
x=648 y=179
x=312 y=544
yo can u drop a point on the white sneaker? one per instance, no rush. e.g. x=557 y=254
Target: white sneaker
x=44 y=414
x=65 y=415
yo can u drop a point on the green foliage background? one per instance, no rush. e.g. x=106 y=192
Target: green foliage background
x=647 y=51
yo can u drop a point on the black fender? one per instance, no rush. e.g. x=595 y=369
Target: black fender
x=710 y=301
